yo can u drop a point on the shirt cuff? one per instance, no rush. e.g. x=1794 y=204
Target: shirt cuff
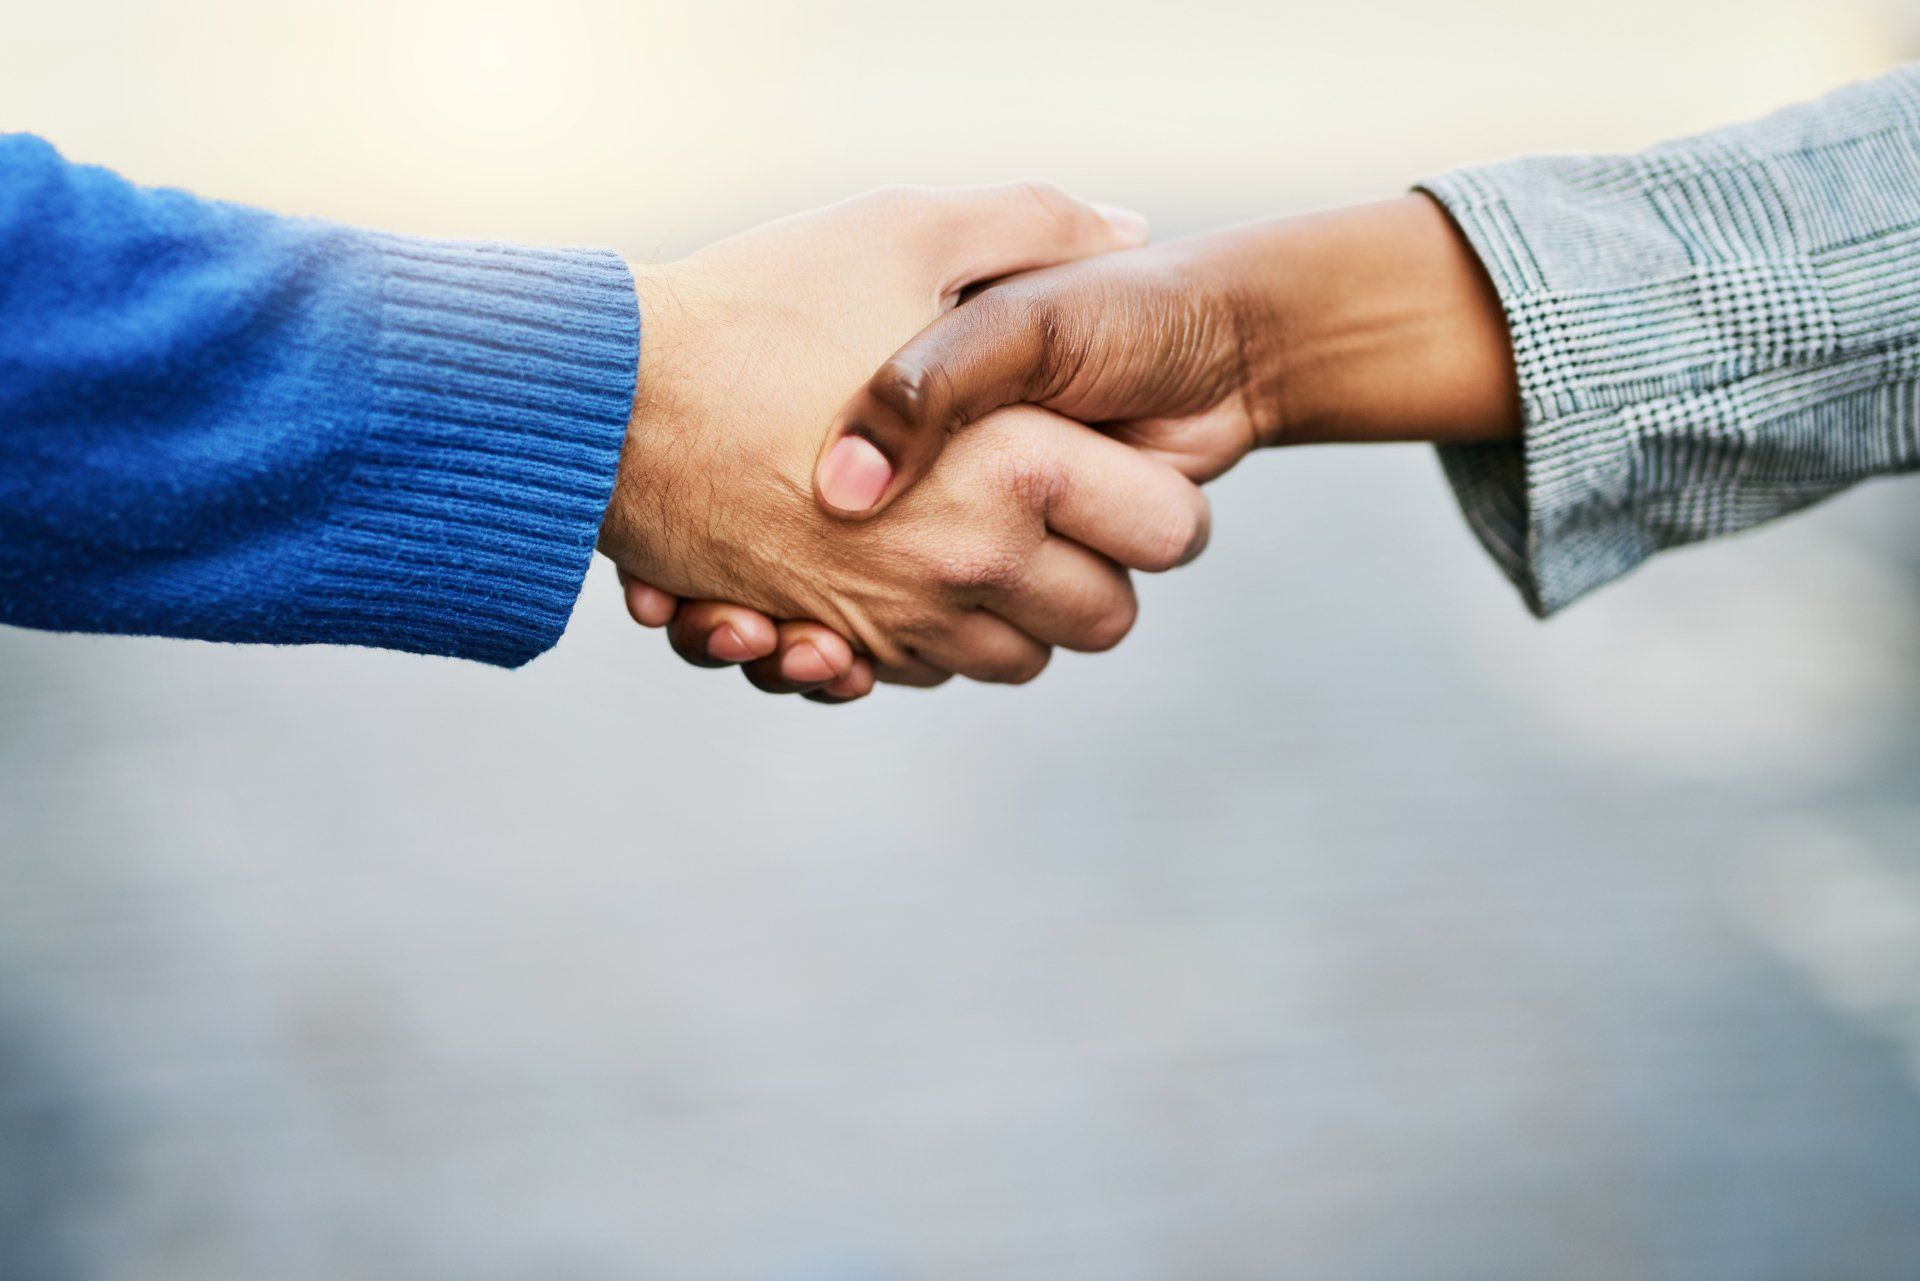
x=503 y=383
x=1708 y=335
x=1555 y=510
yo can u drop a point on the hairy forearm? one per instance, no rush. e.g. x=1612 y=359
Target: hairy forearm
x=1374 y=323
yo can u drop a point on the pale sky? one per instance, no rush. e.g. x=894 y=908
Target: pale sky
x=655 y=125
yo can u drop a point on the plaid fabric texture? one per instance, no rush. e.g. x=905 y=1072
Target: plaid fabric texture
x=1709 y=334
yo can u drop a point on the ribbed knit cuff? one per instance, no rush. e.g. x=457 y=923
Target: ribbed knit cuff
x=503 y=382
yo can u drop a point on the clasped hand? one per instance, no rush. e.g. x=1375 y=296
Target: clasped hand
x=956 y=516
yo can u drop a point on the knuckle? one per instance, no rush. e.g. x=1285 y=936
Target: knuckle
x=1022 y=476
x=1000 y=311
x=985 y=571
x=1111 y=627
x=1202 y=521
x=1031 y=310
x=1020 y=305
x=1019 y=671
x=1035 y=309
x=1177 y=533
x=1054 y=204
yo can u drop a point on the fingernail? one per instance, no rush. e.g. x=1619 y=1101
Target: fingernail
x=854 y=475
x=725 y=644
x=804 y=663
x=1125 y=221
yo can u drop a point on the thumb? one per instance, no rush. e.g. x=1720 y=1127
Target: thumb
x=973 y=359
x=982 y=355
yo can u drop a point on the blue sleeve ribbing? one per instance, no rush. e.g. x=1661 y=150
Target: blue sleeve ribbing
x=222 y=424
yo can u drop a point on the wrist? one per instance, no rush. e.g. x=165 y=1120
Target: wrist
x=636 y=507
x=1380 y=324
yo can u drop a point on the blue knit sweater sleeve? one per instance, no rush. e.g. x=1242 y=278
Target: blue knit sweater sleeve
x=222 y=424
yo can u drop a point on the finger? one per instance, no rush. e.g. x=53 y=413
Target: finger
x=917 y=673
x=1068 y=595
x=985 y=647
x=808 y=656
x=989 y=232
x=856 y=684
x=1202 y=446
x=1112 y=498
x=649 y=606
x=715 y=634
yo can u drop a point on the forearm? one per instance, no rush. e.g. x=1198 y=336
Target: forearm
x=220 y=424
x=1617 y=354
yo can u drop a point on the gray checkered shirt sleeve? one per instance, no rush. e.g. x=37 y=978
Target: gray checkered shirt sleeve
x=1709 y=334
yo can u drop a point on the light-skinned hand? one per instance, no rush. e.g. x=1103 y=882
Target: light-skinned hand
x=1018 y=541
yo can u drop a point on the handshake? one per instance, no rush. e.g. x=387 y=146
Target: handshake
x=922 y=433
x=929 y=433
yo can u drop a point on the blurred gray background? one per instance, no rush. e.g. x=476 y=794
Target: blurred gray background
x=1345 y=923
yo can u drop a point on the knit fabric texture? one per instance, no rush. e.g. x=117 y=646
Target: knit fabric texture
x=222 y=424
x=1709 y=334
